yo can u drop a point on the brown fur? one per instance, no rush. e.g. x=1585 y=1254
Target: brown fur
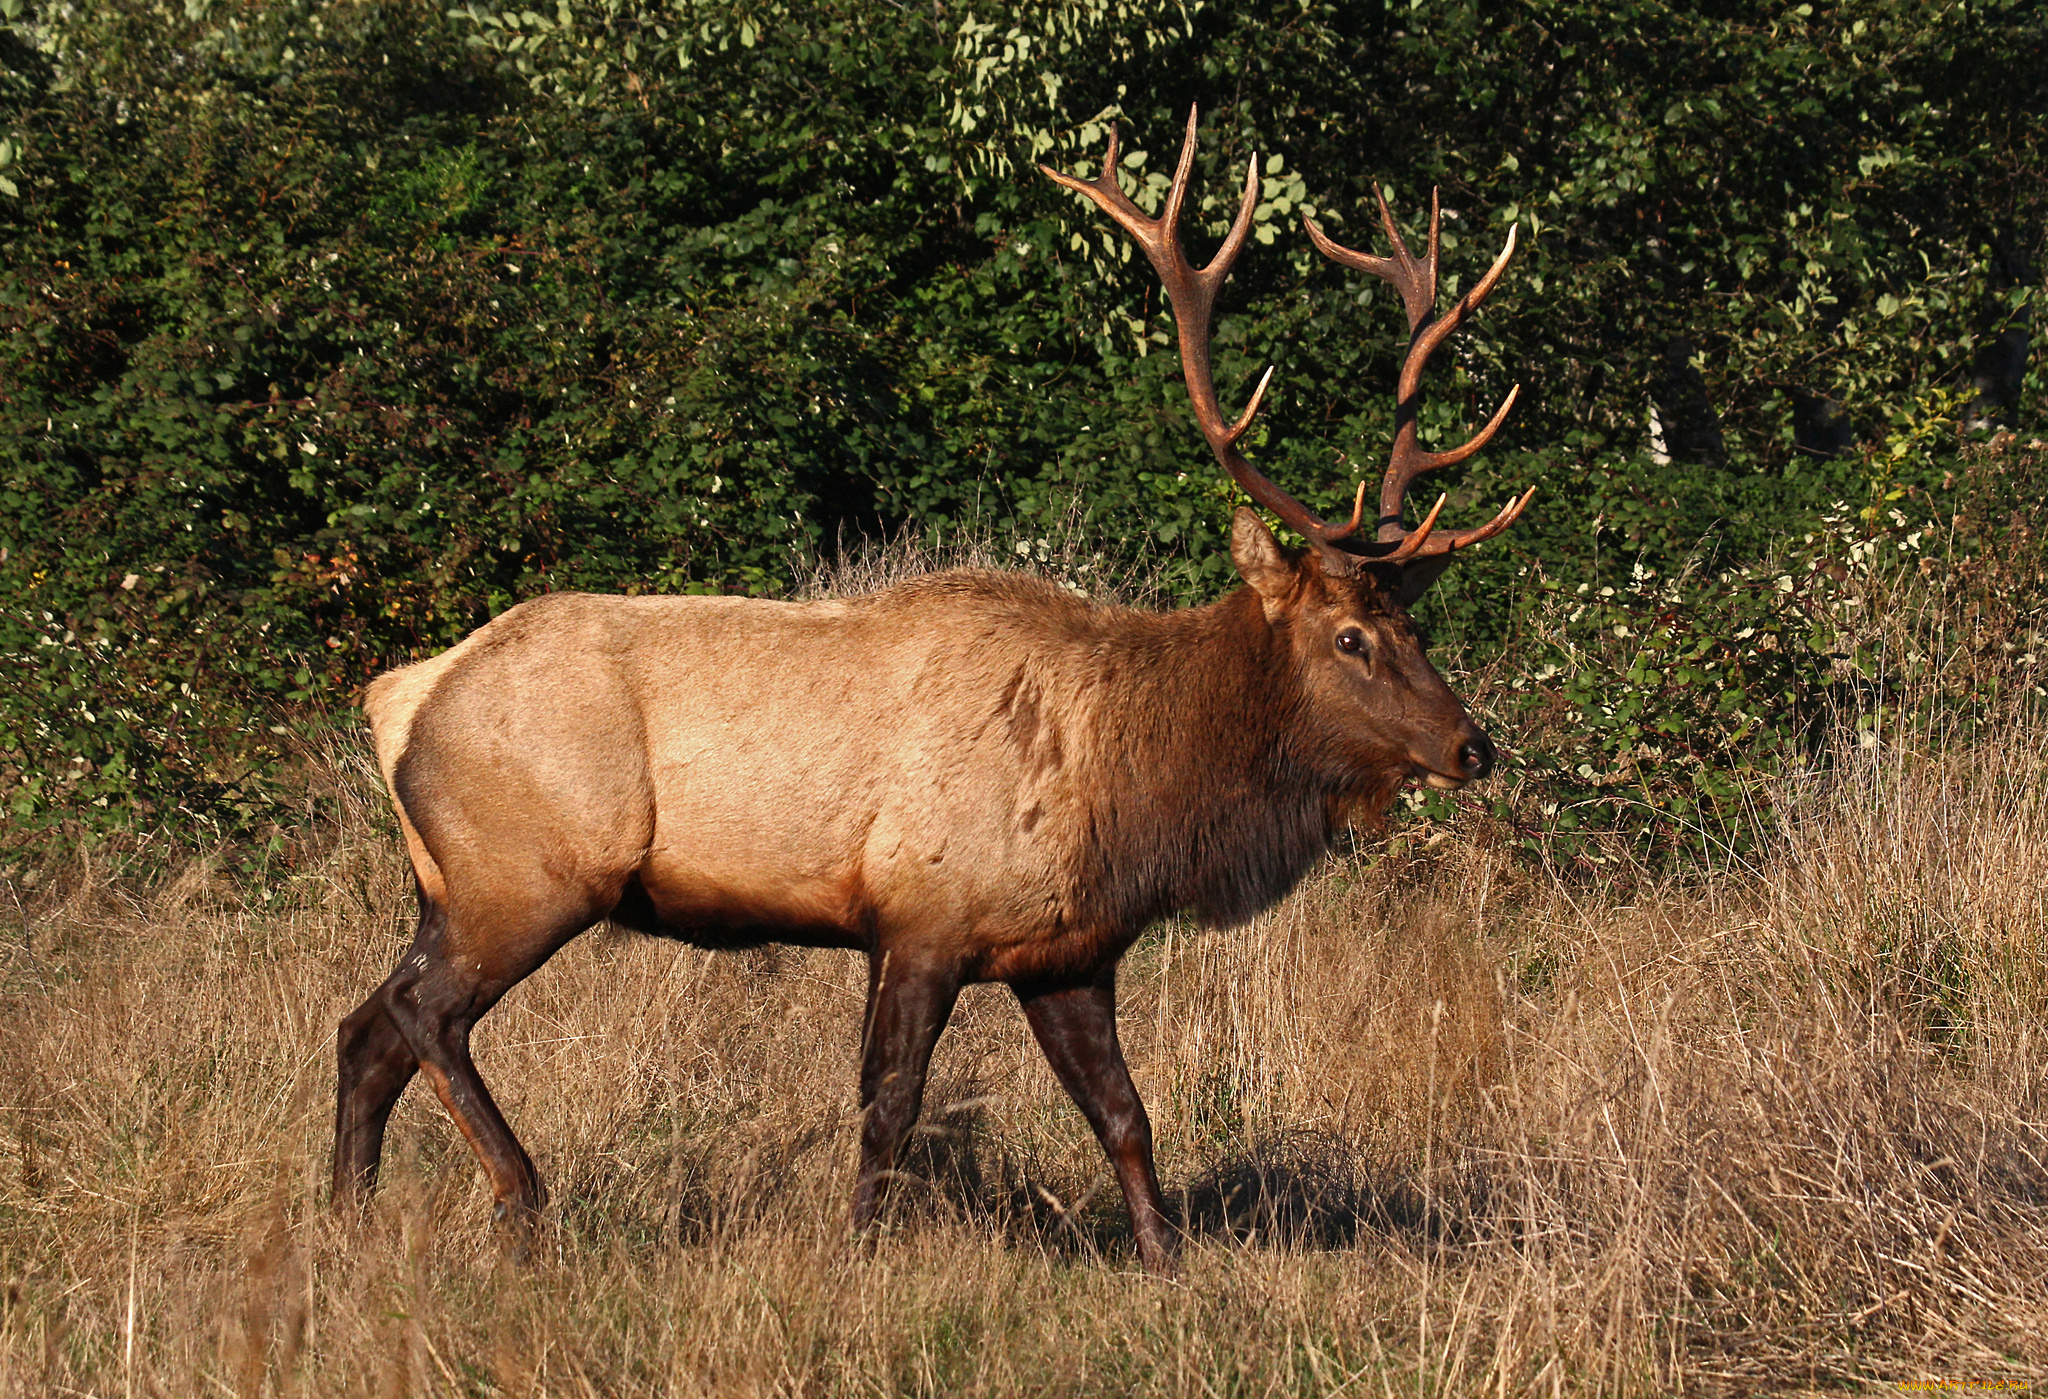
x=969 y=777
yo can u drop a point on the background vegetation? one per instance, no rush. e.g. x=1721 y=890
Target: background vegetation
x=327 y=330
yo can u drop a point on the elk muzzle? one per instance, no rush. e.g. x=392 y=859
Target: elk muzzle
x=1472 y=760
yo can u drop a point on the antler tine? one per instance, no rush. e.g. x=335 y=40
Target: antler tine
x=1192 y=294
x=1415 y=279
x=1439 y=331
x=1420 y=543
x=1417 y=537
x=1408 y=460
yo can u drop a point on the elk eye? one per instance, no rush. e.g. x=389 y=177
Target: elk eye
x=1351 y=641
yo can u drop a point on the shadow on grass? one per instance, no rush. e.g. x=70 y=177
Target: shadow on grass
x=1299 y=1190
x=1308 y=1190
x=1304 y=1190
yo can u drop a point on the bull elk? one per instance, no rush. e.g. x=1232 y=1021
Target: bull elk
x=969 y=777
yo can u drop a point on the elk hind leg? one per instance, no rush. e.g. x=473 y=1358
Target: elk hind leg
x=908 y=1007
x=1076 y=1027
x=373 y=1065
x=458 y=968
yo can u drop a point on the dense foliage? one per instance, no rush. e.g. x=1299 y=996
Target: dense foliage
x=329 y=329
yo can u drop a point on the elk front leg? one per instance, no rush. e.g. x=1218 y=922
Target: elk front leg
x=908 y=1006
x=1076 y=1027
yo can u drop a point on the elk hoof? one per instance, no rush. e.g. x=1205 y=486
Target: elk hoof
x=1161 y=1263
x=517 y=1226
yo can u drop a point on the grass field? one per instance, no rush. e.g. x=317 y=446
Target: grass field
x=1439 y=1124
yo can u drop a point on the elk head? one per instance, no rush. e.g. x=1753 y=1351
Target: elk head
x=1340 y=606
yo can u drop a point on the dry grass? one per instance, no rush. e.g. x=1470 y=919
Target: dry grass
x=1446 y=1127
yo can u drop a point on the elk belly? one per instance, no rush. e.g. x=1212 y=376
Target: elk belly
x=725 y=908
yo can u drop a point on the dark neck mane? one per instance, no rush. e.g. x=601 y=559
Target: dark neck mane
x=1197 y=799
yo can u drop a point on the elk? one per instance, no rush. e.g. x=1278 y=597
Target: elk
x=969 y=777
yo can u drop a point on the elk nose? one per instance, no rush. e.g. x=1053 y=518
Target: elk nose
x=1475 y=756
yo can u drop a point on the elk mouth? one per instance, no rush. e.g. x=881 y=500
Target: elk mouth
x=1424 y=775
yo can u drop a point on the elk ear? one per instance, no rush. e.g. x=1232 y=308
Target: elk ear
x=1417 y=576
x=1258 y=555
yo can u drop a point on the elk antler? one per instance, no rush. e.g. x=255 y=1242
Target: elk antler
x=1192 y=294
x=1415 y=279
